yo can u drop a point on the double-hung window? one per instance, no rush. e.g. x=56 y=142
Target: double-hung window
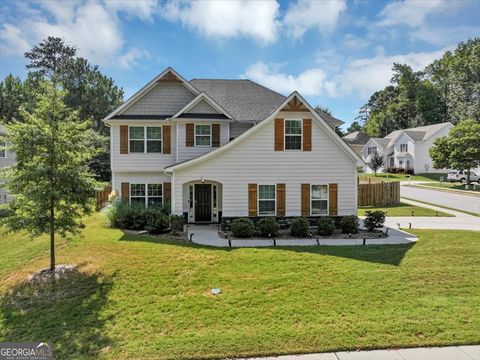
x=145 y=139
x=266 y=200
x=403 y=147
x=146 y=195
x=371 y=150
x=293 y=134
x=319 y=198
x=203 y=135
x=3 y=149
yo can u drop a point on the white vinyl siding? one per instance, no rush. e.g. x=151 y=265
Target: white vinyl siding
x=319 y=200
x=253 y=160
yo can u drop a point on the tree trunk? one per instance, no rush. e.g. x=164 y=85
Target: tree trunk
x=52 y=236
x=467 y=186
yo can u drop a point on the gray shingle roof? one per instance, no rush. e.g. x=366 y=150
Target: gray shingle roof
x=357 y=138
x=244 y=99
x=382 y=142
x=419 y=133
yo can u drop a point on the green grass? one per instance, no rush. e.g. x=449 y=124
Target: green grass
x=403 y=209
x=454 y=186
x=443 y=207
x=141 y=297
x=400 y=177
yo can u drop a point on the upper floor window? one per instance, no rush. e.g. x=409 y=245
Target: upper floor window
x=146 y=195
x=3 y=149
x=403 y=147
x=293 y=134
x=319 y=200
x=145 y=139
x=371 y=150
x=203 y=135
x=266 y=200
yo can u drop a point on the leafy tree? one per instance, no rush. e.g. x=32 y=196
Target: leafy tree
x=324 y=109
x=354 y=126
x=460 y=149
x=51 y=183
x=12 y=95
x=376 y=162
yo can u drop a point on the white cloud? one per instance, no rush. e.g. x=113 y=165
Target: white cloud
x=413 y=13
x=362 y=77
x=353 y=42
x=305 y=14
x=310 y=82
x=227 y=19
x=12 y=41
x=131 y=58
x=89 y=26
x=441 y=36
x=143 y=9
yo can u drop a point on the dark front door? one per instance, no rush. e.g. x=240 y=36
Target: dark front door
x=203 y=202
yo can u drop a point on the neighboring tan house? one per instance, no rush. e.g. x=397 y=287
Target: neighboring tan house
x=220 y=149
x=357 y=141
x=407 y=149
x=7 y=158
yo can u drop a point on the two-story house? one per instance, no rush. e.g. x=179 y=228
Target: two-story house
x=214 y=149
x=407 y=149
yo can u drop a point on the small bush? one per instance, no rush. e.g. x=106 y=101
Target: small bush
x=176 y=223
x=299 y=227
x=268 y=227
x=326 y=226
x=374 y=219
x=349 y=224
x=156 y=222
x=243 y=228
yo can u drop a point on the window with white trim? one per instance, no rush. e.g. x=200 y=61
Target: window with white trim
x=146 y=195
x=403 y=147
x=293 y=134
x=319 y=199
x=371 y=150
x=3 y=149
x=203 y=135
x=145 y=139
x=266 y=200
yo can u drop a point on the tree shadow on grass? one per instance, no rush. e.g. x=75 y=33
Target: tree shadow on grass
x=66 y=312
x=381 y=254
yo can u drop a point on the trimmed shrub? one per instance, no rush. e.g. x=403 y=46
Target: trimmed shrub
x=299 y=227
x=156 y=222
x=326 y=226
x=176 y=223
x=243 y=228
x=349 y=224
x=374 y=219
x=268 y=227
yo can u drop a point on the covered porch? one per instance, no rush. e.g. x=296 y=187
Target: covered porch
x=202 y=201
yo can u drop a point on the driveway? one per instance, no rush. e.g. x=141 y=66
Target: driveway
x=456 y=201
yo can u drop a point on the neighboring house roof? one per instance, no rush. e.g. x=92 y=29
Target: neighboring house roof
x=356 y=138
x=381 y=142
x=243 y=99
x=419 y=133
x=316 y=117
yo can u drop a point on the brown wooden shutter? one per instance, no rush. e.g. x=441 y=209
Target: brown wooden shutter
x=123 y=139
x=279 y=135
x=215 y=135
x=125 y=195
x=332 y=199
x=307 y=134
x=305 y=199
x=252 y=199
x=167 y=139
x=167 y=192
x=189 y=135
x=280 y=199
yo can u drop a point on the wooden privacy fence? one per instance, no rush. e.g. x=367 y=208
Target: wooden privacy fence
x=379 y=194
x=101 y=196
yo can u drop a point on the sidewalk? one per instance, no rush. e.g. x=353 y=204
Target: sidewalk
x=468 y=352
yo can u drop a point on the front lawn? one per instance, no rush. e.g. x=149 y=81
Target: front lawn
x=400 y=177
x=142 y=297
x=403 y=209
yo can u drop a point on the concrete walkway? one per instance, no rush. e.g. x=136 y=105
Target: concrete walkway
x=208 y=235
x=435 y=353
x=461 y=221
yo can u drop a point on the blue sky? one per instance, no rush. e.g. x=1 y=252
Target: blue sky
x=335 y=52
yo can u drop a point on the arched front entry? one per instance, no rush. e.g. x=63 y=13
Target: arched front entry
x=202 y=201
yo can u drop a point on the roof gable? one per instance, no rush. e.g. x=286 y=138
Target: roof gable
x=202 y=104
